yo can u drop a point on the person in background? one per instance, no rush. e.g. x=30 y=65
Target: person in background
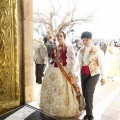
x=104 y=47
x=40 y=58
x=58 y=97
x=90 y=66
x=112 y=58
x=49 y=46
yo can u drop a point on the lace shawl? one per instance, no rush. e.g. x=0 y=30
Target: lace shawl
x=70 y=58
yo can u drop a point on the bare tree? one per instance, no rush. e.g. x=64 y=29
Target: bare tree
x=60 y=19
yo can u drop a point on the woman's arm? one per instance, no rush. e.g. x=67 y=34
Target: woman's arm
x=70 y=58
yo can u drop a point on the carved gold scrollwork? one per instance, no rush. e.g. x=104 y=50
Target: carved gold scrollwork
x=9 y=71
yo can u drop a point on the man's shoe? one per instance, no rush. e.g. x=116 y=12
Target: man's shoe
x=90 y=118
x=86 y=117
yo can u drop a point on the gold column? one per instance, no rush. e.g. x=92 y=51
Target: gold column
x=9 y=70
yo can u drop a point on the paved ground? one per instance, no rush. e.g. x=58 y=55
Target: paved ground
x=106 y=101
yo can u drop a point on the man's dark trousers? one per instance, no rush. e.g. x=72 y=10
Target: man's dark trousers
x=88 y=83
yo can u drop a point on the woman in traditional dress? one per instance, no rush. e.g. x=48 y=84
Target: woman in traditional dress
x=112 y=56
x=58 y=98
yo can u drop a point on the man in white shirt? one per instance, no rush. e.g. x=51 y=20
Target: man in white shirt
x=90 y=65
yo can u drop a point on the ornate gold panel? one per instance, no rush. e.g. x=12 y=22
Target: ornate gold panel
x=9 y=71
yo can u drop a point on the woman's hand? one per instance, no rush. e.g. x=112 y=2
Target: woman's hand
x=70 y=74
x=102 y=81
x=77 y=79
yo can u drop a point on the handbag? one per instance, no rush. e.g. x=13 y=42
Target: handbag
x=81 y=100
x=82 y=103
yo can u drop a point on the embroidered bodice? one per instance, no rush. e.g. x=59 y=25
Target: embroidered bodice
x=66 y=55
x=60 y=52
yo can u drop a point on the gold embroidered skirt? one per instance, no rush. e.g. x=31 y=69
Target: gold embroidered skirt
x=58 y=98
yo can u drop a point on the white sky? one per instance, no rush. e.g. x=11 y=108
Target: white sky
x=107 y=22
x=107 y=17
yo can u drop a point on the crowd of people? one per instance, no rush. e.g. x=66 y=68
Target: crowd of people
x=66 y=67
